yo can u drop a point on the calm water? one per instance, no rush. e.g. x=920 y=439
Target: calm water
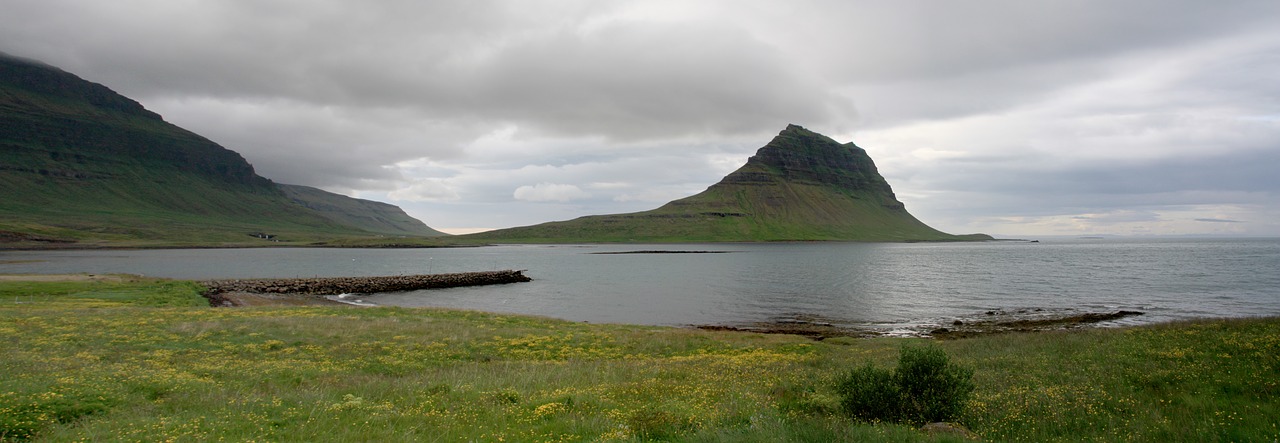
x=886 y=286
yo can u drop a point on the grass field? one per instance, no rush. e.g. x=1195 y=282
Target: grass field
x=133 y=359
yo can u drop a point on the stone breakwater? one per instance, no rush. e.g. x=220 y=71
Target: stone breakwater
x=321 y=286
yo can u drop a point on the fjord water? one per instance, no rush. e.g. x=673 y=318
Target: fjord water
x=888 y=286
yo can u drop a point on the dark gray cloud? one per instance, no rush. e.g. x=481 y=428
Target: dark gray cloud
x=997 y=115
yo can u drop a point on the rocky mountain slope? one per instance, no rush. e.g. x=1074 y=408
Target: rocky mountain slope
x=83 y=166
x=801 y=186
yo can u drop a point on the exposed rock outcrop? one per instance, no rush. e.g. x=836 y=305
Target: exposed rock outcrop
x=799 y=155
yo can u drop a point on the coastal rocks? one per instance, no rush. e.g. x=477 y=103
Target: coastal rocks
x=990 y=322
x=322 y=286
x=1027 y=321
x=813 y=328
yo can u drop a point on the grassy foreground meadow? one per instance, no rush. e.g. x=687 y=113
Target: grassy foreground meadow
x=133 y=359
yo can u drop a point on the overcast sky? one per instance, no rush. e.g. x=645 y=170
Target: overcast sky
x=1013 y=117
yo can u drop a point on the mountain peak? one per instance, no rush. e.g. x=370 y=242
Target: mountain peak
x=799 y=155
x=794 y=130
x=802 y=185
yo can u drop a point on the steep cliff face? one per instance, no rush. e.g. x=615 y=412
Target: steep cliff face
x=53 y=84
x=83 y=165
x=800 y=186
x=799 y=155
x=79 y=126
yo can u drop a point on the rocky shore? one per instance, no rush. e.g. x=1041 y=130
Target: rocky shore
x=234 y=292
x=992 y=322
x=1026 y=321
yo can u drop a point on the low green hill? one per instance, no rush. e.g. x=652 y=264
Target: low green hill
x=801 y=186
x=82 y=166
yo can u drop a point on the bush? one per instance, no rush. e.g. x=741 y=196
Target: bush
x=925 y=388
x=933 y=389
x=870 y=394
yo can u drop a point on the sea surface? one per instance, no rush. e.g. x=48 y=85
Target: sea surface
x=890 y=287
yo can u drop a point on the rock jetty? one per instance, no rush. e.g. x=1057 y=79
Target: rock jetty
x=321 y=286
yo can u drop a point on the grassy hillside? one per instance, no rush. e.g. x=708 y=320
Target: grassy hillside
x=83 y=166
x=740 y=214
x=370 y=215
x=142 y=360
x=802 y=186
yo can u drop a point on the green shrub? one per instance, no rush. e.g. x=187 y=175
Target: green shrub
x=933 y=389
x=869 y=393
x=924 y=388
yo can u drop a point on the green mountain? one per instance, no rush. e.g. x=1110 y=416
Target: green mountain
x=801 y=186
x=370 y=215
x=83 y=166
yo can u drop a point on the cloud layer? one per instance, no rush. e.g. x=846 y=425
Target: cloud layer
x=1018 y=118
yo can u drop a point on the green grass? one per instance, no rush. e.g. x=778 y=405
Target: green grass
x=144 y=360
x=166 y=208
x=110 y=291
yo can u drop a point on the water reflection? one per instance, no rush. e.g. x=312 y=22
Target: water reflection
x=849 y=283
